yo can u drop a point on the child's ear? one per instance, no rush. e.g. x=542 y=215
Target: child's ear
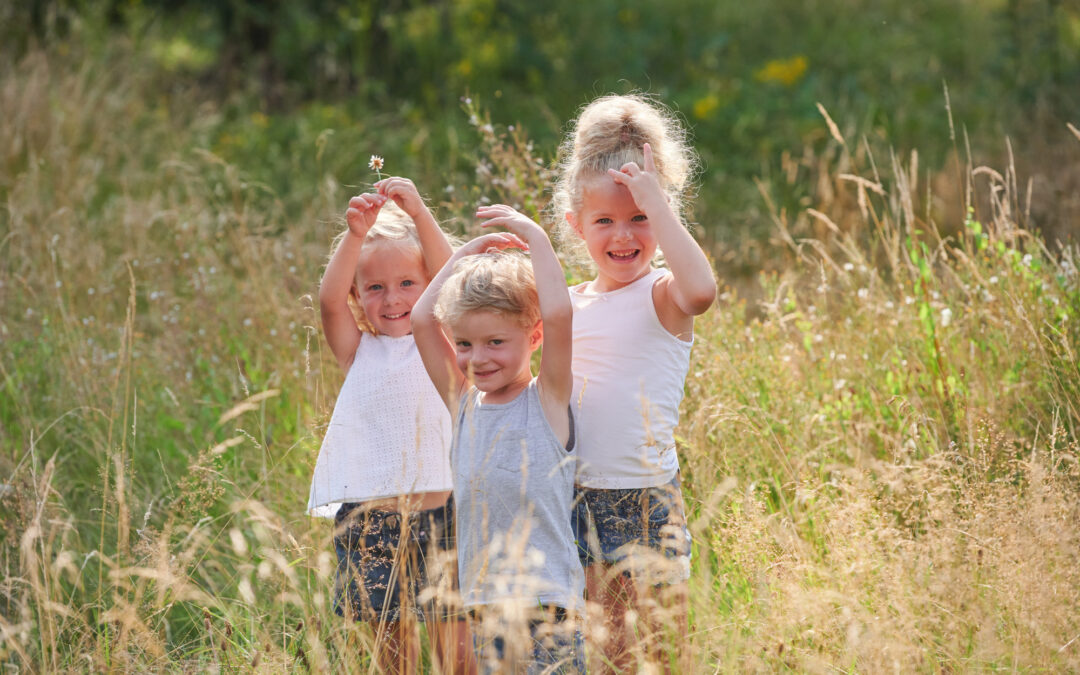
x=536 y=335
x=571 y=218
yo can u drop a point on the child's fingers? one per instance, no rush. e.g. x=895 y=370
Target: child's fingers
x=366 y=201
x=395 y=186
x=498 y=241
x=650 y=164
x=494 y=210
x=496 y=221
x=512 y=241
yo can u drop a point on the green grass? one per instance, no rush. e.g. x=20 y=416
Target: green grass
x=873 y=482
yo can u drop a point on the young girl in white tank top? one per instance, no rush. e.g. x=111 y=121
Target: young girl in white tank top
x=625 y=167
x=383 y=470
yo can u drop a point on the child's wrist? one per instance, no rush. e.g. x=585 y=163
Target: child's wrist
x=655 y=203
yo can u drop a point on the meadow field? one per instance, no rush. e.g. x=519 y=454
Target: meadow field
x=881 y=431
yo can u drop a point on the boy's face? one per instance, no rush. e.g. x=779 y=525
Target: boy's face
x=390 y=278
x=493 y=350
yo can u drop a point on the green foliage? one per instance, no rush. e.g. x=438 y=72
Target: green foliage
x=879 y=453
x=747 y=77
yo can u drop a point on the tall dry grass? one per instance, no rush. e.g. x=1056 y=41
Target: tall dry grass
x=880 y=462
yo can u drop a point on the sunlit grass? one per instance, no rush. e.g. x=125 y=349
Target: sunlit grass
x=880 y=458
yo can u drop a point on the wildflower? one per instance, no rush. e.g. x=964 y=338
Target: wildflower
x=376 y=165
x=863 y=293
x=848 y=267
x=783 y=71
x=946 y=317
x=993 y=279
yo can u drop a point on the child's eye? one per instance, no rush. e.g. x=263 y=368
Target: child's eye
x=641 y=217
x=461 y=344
x=375 y=287
x=603 y=221
x=407 y=282
x=496 y=341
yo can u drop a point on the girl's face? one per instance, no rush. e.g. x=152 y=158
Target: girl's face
x=616 y=232
x=493 y=350
x=390 y=278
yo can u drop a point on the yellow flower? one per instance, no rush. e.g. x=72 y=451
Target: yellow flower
x=705 y=107
x=784 y=71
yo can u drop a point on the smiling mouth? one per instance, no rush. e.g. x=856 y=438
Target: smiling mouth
x=624 y=256
x=395 y=317
x=483 y=373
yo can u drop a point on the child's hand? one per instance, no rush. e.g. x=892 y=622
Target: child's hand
x=502 y=215
x=495 y=241
x=404 y=194
x=362 y=212
x=643 y=183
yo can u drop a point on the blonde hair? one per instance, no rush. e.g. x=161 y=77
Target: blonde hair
x=497 y=281
x=392 y=226
x=610 y=132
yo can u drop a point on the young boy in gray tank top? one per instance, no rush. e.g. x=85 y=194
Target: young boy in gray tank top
x=511 y=456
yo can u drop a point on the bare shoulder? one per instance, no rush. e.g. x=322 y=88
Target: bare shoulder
x=672 y=318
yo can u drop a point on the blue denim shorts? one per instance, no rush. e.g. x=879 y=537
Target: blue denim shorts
x=379 y=576
x=640 y=530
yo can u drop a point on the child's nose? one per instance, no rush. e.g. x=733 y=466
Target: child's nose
x=393 y=295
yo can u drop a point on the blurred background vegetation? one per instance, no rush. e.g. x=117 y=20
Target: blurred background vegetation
x=303 y=90
x=172 y=174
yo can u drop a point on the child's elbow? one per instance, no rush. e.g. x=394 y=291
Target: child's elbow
x=701 y=299
x=560 y=315
x=330 y=302
x=421 y=319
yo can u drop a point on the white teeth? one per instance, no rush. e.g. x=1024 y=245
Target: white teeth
x=394 y=316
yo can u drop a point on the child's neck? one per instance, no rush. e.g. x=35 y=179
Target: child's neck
x=509 y=391
x=605 y=284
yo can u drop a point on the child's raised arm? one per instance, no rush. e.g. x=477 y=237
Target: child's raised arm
x=435 y=347
x=556 y=312
x=434 y=245
x=339 y=325
x=692 y=286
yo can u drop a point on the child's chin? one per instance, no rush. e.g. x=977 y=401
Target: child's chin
x=395 y=330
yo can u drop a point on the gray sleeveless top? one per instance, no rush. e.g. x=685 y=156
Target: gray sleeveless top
x=513 y=492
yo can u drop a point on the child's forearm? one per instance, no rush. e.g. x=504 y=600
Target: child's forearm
x=340 y=272
x=434 y=244
x=424 y=309
x=435 y=349
x=692 y=274
x=555 y=303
